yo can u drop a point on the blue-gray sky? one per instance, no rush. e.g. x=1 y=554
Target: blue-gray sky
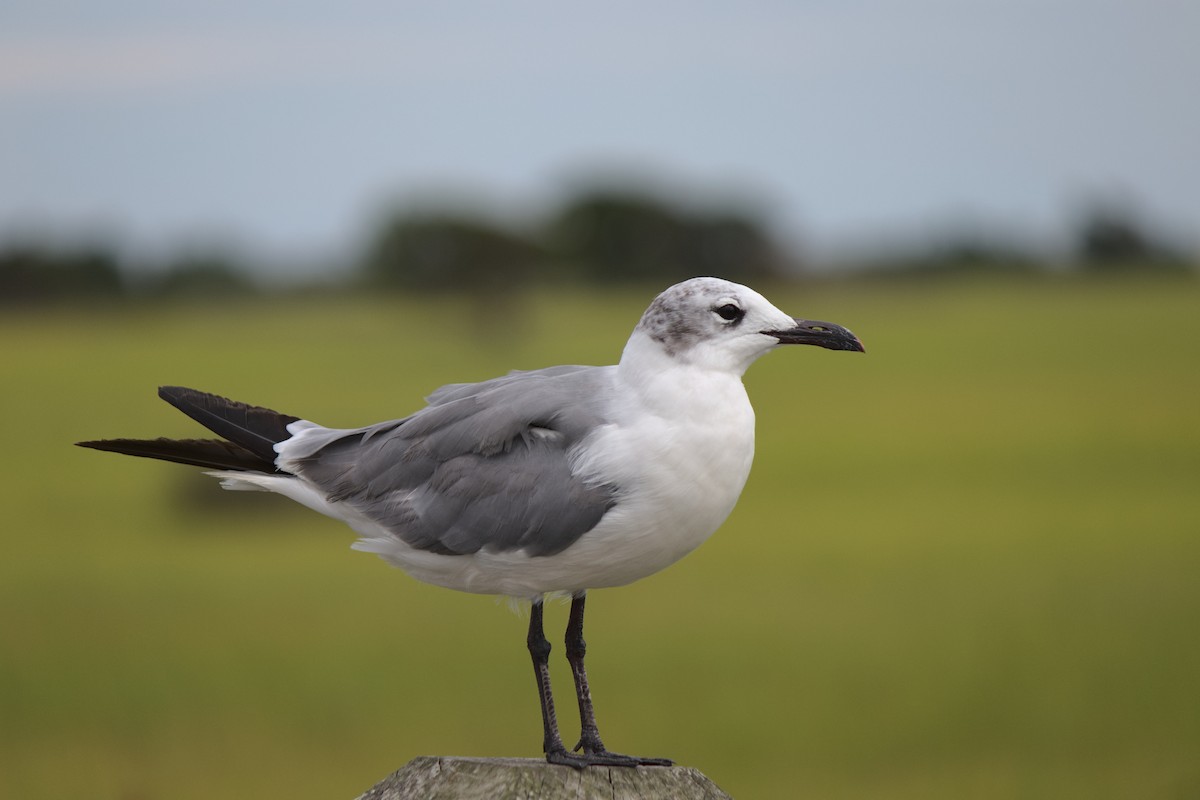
x=283 y=126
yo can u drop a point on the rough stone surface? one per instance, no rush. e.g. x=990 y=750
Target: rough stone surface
x=449 y=778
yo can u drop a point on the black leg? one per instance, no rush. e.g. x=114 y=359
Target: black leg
x=539 y=649
x=589 y=734
x=589 y=738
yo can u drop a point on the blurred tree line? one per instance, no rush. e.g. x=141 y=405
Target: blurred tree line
x=604 y=236
x=1108 y=239
x=598 y=237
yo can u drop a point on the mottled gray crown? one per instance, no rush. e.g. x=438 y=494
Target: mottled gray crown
x=682 y=316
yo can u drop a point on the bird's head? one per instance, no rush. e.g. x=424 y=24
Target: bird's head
x=722 y=325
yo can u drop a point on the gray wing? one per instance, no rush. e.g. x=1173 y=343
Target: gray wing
x=484 y=466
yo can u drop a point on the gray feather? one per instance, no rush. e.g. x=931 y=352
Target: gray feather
x=486 y=466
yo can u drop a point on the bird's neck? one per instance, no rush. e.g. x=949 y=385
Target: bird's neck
x=672 y=384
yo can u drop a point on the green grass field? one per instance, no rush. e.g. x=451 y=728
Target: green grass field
x=966 y=564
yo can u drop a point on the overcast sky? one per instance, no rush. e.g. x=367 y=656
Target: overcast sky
x=282 y=127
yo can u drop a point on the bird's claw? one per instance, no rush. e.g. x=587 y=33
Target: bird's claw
x=603 y=758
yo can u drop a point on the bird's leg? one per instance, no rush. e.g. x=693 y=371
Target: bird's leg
x=589 y=734
x=589 y=738
x=539 y=649
x=552 y=745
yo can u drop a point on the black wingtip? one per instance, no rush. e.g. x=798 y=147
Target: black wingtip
x=249 y=434
x=178 y=392
x=207 y=453
x=254 y=428
x=182 y=396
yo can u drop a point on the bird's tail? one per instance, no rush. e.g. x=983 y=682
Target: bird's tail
x=250 y=434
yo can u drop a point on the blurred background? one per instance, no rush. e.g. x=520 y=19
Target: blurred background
x=965 y=564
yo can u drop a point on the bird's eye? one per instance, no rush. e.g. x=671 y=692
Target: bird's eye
x=729 y=312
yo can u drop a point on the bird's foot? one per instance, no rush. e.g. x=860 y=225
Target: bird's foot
x=603 y=758
x=636 y=761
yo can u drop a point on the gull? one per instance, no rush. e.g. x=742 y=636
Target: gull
x=540 y=483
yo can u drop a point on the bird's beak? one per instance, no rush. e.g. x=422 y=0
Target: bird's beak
x=822 y=334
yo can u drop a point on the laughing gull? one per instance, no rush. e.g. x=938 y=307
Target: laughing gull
x=548 y=482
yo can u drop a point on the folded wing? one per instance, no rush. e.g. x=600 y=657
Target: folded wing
x=485 y=466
